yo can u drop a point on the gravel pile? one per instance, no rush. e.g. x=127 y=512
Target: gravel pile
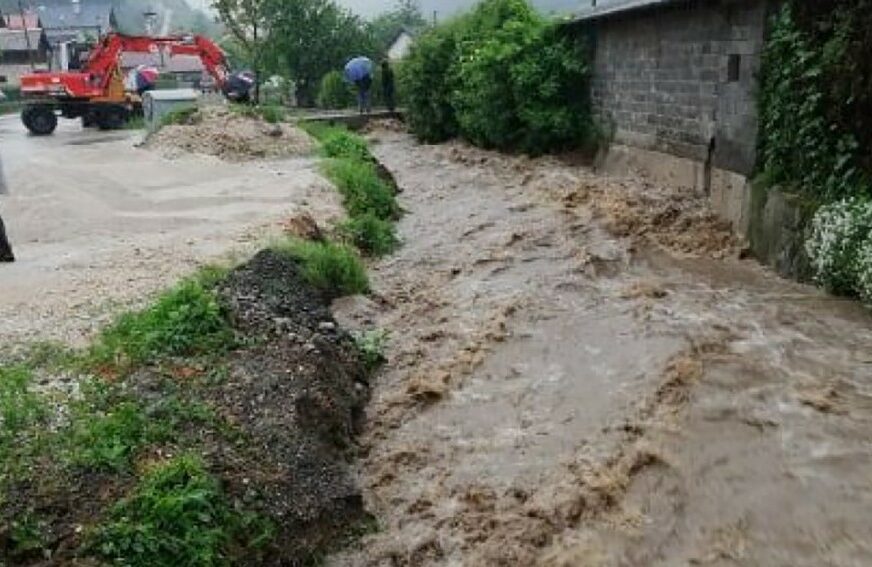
x=231 y=136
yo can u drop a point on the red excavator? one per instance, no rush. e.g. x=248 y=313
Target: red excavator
x=97 y=92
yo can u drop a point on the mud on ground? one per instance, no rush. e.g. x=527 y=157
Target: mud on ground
x=228 y=134
x=582 y=372
x=287 y=405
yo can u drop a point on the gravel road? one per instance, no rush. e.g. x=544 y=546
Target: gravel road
x=99 y=224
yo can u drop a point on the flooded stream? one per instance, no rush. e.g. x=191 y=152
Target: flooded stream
x=582 y=372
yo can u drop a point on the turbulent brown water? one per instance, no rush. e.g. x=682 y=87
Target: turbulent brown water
x=581 y=372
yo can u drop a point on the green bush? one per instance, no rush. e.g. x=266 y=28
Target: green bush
x=427 y=82
x=334 y=92
x=840 y=247
x=364 y=192
x=372 y=235
x=185 y=320
x=344 y=144
x=332 y=268
x=177 y=515
x=502 y=77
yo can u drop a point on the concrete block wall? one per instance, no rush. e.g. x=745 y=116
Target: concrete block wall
x=662 y=79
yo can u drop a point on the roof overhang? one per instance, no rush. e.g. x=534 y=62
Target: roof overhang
x=619 y=7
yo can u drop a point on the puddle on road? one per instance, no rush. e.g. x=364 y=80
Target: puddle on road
x=560 y=395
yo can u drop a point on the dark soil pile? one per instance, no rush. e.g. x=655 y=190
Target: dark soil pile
x=297 y=394
x=282 y=412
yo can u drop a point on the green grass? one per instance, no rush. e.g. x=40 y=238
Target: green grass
x=179 y=116
x=176 y=515
x=363 y=191
x=186 y=320
x=321 y=130
x=334 y=269
x=20 y=408
x=372 y=235
x=271 y=113
x=344 y=144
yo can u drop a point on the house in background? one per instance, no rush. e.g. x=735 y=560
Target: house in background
x=76 y=23
x=401 y=45
x=23 y=46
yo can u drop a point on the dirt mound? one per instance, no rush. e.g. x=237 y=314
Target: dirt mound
x=297 y=395
x=273 y=421
x=231 y=136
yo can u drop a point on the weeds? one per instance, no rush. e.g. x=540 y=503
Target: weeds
x=331 y=268
x=185 y=320
x=344 y=144
x=177 y=515
x=372 y=235
x=371 y=345
x=184 y=116
x=20 y=408
x=362 y=189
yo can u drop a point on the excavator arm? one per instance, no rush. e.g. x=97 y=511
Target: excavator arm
x=104 y=59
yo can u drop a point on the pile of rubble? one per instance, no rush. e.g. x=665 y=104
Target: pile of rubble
x=231 y=136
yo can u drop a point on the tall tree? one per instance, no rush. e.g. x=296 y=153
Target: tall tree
x=248 y=23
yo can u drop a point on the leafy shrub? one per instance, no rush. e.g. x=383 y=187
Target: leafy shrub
x=372 y=235
x=804 y=142
x=332 y=268
x=839 y=247
x=177 y=515
x=362 y=189
x=344 y=144
x=427 y=81
x=501 y=77
x=185 y=320
x=334 y=92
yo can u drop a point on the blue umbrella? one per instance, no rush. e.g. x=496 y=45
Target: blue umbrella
x=357 y=69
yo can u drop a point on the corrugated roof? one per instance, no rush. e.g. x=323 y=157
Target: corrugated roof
x=15 y=40
x=615 y=7
x=89 y=14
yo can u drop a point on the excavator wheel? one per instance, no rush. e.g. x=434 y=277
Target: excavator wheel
x=40 y=120
x=111 y=118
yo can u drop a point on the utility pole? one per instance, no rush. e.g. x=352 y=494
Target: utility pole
x=435 y=18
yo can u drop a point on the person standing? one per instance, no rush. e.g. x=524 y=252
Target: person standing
x=388 y=86
x=6 y=254
x=364 y=84
x=359 y=72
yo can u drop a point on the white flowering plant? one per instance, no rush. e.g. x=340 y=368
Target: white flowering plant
x=839 y=247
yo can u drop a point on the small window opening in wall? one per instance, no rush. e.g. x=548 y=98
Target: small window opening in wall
x=733 y=64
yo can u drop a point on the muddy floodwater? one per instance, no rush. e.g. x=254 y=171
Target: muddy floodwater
x=582 y=372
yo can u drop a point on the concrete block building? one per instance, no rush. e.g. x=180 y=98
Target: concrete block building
x=675 y=82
